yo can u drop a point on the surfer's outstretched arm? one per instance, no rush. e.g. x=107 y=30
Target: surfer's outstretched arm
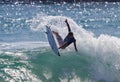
x=75 y=46
x=69 y=30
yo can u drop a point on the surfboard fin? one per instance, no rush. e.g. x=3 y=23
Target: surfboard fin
x=46 y=33
x=58 y=54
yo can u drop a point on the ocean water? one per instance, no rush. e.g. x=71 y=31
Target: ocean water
x=25 y=55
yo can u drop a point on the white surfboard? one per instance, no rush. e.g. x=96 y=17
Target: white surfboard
x=51 y=41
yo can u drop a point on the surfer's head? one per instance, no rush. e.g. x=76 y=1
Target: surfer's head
x=71 y=33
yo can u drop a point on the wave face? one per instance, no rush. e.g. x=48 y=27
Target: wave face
x=25 y=54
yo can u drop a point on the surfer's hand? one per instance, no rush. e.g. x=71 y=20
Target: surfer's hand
x=66 y=20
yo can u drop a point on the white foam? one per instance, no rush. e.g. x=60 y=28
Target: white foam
x=74 y=78
x=22 y=45
x=20 y=75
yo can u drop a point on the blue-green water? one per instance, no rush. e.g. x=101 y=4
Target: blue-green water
x=25 y=55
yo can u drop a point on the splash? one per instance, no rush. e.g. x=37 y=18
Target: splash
x=86 y=40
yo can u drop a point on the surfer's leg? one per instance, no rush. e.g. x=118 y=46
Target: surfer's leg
x=59 y=38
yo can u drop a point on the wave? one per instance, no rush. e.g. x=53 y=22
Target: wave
x=104 y=48
x=98 y=58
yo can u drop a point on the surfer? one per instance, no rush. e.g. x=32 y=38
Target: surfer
x=68 y=39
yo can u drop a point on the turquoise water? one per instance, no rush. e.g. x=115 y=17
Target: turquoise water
x=25 y=55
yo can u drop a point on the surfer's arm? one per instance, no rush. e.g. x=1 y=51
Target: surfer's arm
x=75 y=46
x=69 y=30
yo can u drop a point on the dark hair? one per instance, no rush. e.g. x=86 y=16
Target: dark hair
x=70 y=33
